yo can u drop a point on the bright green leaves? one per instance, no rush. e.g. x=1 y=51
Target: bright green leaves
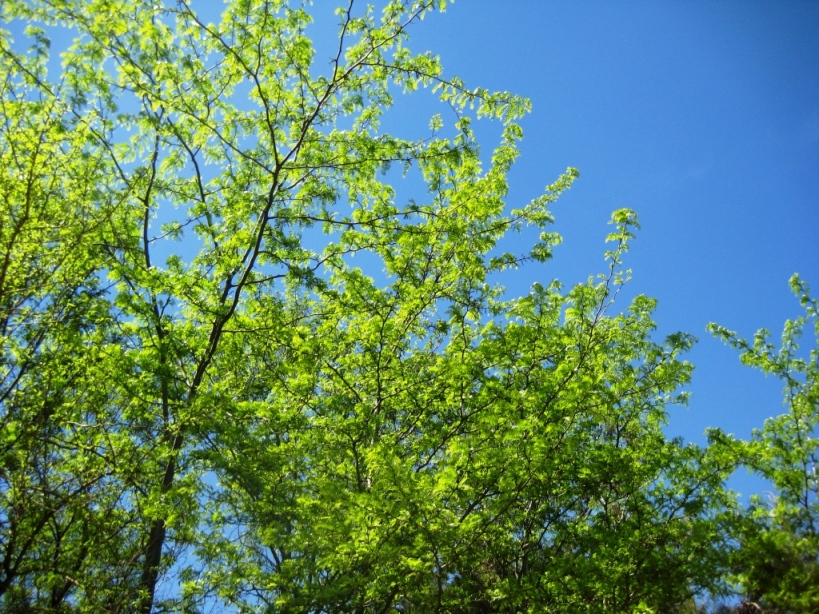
x=776 y=561
x=240 y=362
x=517 y=464
x=64 y=451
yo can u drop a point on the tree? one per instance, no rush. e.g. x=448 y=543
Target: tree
x=246 y=419
x=778 y=559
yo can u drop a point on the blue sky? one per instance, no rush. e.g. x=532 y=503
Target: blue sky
x=701 y=116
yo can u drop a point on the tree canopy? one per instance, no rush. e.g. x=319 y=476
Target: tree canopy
x=242 y=369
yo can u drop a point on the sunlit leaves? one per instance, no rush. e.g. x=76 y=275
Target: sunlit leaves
x=776 y=562
x=242 y=368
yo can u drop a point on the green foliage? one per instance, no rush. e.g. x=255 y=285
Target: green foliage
x=435 y=460
x=778 y=561
x=205 y=403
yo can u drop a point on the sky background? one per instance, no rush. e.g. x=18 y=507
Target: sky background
x=701 y=116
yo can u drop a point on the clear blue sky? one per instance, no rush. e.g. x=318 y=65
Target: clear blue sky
x=701 y=116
